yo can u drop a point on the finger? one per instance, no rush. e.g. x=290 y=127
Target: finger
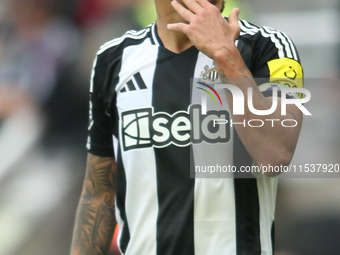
x=178 y=27
x=193 y=5
x=233 y=17
x=185 y=13
x=233 y=22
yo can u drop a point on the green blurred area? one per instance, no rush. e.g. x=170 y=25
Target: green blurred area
x=145 y=11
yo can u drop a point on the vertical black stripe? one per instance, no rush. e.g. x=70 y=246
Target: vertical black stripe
x=273 y=236
x=120 y=201
x=131 y=86
x=246 y=52
x=246 y=204
x=171 y=93
x=140 y=81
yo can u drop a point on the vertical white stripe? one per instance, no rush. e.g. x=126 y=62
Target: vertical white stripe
x=204 y=104
x=90 y=115
x=153 y=32
x=93 y=73
x=141 y=201
x=267 y=196
x=214 y=216
x=214 y=204
x=140 y=166
x=115 y=146
x=88 y=145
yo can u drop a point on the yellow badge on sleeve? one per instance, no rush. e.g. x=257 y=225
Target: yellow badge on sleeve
x=286 y=71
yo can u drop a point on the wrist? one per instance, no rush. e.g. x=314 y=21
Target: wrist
x=226 y=54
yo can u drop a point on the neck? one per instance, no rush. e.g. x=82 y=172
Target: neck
x=173 y=41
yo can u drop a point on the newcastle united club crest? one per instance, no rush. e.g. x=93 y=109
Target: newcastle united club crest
x=210 y=73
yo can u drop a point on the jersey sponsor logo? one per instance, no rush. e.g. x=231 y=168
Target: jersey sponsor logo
x=142 y=128
x=134 y=84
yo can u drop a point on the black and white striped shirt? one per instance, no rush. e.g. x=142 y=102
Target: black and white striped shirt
x=139 y=113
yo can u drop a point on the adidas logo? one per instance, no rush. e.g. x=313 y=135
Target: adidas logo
x=134 y=84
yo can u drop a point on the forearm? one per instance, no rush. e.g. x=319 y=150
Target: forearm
x=93 y=228
x=266 y=144
x=95 y=219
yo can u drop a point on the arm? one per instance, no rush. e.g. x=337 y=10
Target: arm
x=215 y=37
x=95 y=219
x=266 y=145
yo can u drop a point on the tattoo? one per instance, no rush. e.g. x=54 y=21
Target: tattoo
x=247 y=76
x=233 y=59
x=222 y=74
x=95 y=216
x=224 y=80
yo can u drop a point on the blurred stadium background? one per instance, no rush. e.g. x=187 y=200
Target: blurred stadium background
x=46 y=53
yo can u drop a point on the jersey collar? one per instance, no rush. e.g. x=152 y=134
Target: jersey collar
x=157 y=41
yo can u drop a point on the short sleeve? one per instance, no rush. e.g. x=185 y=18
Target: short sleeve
x=275 y=60
x=99 y=140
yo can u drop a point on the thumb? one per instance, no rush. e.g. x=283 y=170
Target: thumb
x=178 y=27
x=233 y=17
x=233 y=21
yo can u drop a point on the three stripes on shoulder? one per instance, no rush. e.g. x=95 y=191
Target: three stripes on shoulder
x=281 y=41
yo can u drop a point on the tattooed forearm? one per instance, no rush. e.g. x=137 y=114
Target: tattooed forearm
x=265 y=144
x=245 y=76
x=95 y=219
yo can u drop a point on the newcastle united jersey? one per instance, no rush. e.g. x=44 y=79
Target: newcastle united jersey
x=143 y=112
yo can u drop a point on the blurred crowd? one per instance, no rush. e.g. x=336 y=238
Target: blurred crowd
x=46 y=53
